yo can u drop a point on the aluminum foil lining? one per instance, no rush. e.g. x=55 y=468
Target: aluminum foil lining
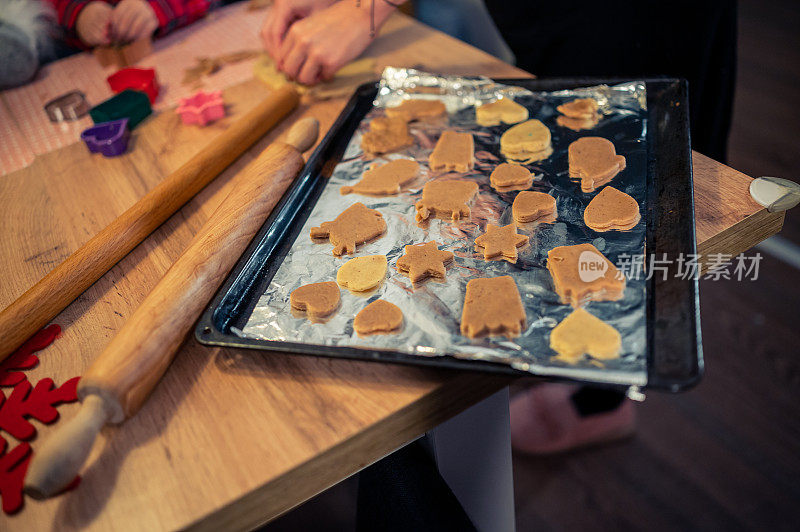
x=433 y=309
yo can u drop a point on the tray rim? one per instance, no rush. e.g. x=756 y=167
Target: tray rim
x=659 y=375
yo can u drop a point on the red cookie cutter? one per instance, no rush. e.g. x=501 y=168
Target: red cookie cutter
x=138 y=79
x=201 y=108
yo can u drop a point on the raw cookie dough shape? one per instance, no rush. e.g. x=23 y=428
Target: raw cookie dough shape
x=529 y=136
x=447 y=198
x=611 y=210
x=581 y=334
x=581 y=273
x=500 y=242
x=424 y=260
x=384 y=179
x=362 y=273
x=503 y=110
x=386 y=135
x=454 y=152
x=510 y=175
x=578 y=124
x=527 y=142
x=379 y=317
x=594 y=161
x=579 y=108
x=317 y=300
x=492 y=306
x=356 y=225
x=530 y=206
x=417 y=109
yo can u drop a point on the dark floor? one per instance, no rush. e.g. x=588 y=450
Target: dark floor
x=726 y=455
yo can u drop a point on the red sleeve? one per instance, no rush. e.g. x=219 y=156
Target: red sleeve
x=174 y=14
x=67 y=12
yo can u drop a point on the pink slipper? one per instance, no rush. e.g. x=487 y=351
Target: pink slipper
x=545 y=420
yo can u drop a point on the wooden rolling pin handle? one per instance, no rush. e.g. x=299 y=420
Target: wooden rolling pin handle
x=44 y=300
x=120 y=379
x=76 y=436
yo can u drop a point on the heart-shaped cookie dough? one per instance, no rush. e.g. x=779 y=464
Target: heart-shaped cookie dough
x=581 y=334
x=379 y=317
x=611 y=210
x=362 y=273
x=508 y=175
x=579 y=108
x=317 y=300
x=530 y=206
x=503 y=110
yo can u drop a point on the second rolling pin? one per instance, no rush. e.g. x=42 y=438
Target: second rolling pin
x=120 y=379
x=44 y=300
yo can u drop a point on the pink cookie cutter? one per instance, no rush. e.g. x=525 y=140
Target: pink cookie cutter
x=138 y=79
x=201 y=108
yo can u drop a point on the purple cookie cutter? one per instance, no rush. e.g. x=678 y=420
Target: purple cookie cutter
x=108 y=138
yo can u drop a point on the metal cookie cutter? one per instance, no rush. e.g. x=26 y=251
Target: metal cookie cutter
x=67 y=107
x=108 y=138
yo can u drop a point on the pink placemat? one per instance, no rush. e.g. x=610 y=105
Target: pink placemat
x=26 y=131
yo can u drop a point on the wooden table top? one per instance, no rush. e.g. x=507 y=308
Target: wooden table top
x=233 y=438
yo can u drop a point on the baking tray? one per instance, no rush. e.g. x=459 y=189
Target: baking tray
x=674 y=351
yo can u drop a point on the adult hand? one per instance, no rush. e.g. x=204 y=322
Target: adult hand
x=132 y=20
x=319 y=45
x=93 y=24
x=282 y=14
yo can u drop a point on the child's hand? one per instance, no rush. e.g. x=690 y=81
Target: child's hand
x=93 y=24
x=132 y=20
x=282 y=14
x=317 y=46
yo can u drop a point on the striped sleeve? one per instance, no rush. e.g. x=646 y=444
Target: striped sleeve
x=173 y=14
x=67 y=12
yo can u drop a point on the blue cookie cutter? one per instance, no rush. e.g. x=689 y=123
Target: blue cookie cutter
x=108 y=138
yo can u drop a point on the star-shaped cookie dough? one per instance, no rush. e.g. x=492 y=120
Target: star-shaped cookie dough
x=500 y=242
x=424 y=260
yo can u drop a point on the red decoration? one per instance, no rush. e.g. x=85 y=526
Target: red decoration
x=38 y=403
x=24 y=358
x=26 y=402
x=13 y=466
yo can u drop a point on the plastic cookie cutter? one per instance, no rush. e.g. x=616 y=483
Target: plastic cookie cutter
x=774 y=193
x=108 y=138
x=67 y=107
x=130 y=104
x=138 y=79
x=201 y=108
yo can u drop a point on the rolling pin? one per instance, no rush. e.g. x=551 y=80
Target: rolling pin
x=43 y=301
x=118 y=382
